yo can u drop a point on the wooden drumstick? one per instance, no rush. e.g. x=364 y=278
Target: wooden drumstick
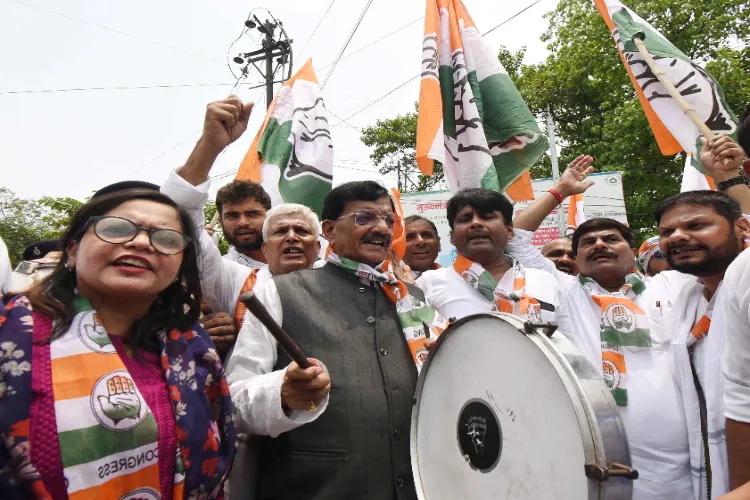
x=285 y=341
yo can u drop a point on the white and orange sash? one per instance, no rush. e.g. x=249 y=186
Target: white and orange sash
x=108 y=437
x=623 y=325
x=516 y=302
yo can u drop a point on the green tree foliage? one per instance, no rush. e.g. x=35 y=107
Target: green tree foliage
x=394 y=143
x=23 y=222
x=594 y=105
x=592 y=101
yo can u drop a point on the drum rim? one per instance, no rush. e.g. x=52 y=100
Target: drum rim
x=593 y=452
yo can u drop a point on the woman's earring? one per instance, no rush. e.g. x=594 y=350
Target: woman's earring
x=70 y=267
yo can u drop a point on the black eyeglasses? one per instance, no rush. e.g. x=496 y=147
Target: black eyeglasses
x=367 y=217
x=118 y=231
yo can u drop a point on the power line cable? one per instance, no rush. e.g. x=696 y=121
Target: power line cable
x=137 y=87
x=346 y=43
x=511 y=17
x=316 y=28
x=377 y=100
x=373 y=43
x=113 y=30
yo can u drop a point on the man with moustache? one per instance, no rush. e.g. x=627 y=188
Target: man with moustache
x=422 y=245
x=631 y=320
x=367 y=327
x=560 y=252
x=483 y=278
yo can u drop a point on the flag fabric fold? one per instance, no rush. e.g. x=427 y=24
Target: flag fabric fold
x=294 y=140
x=693 y=180
x=673 y=130
x=471 y=117
x=576 y=215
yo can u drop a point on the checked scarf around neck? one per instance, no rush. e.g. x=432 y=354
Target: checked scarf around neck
x=515 y=302
x=623 y=326
x=413 y=314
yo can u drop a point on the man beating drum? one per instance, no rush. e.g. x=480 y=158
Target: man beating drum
x=631 y=321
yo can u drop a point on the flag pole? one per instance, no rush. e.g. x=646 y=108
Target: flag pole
x=686 y=107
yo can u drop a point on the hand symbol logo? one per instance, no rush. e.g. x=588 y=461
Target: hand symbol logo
x=122 y=400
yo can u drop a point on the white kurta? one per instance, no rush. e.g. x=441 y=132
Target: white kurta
x=453 y=297
x=253 y=383
x=5 y=269
x=242 y=259
x=654 y=417
x=222 y=279
x=736 y=327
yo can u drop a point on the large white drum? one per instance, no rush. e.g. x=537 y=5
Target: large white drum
x=502 y=411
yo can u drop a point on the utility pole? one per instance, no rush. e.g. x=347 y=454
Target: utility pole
x=279 y=49
x=555 y=168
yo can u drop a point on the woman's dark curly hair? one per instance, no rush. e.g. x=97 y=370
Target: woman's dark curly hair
x=178 y=306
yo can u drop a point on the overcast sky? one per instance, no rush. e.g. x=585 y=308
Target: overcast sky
x=72 y=143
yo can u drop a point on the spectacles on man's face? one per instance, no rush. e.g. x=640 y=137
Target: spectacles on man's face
x=367 y=217
x=117 y=230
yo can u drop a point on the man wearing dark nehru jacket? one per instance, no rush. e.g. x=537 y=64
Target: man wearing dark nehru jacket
x=354 y=445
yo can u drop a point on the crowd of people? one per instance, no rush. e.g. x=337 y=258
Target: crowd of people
x=129 y=367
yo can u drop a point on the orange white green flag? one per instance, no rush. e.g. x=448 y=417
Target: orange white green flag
x=294 y=140
x=471 y=117
x=673 y=130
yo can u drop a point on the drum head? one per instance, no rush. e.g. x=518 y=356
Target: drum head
x=494 y=419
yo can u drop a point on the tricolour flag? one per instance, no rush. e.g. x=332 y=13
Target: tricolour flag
x=471 y=117
x=576 y=215
x=693 y=180
x=673 y=130
x=295 y=140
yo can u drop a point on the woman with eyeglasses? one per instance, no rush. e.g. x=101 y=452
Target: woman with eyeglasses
x=109 y=388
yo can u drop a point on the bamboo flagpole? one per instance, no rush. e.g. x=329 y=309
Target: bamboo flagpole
x=669 y=86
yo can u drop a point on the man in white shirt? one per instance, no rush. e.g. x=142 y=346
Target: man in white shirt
x=699 y=234
x=736 y=364
x=483 y=278
x=242 y=207
x=622 y=324
x=422 y=245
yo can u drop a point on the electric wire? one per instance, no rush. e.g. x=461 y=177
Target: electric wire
x=346 y=43
x=316 y=27
x=113 y=30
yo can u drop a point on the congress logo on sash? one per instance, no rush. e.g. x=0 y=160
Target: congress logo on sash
x=620 y=318
x=142 y=494
x=611 y=374
x=471 y=277
x=116 y=402
x=93 y=335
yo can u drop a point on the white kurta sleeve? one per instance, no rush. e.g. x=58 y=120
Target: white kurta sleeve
x=736 y=359
x=253 y=383
x=222 y=279
x=521 y=249
x=6 y=273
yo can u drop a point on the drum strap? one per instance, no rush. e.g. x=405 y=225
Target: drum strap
x=515 y=302
x=624 y=327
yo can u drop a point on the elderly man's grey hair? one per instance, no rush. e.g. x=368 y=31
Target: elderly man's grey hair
x=291 y=208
